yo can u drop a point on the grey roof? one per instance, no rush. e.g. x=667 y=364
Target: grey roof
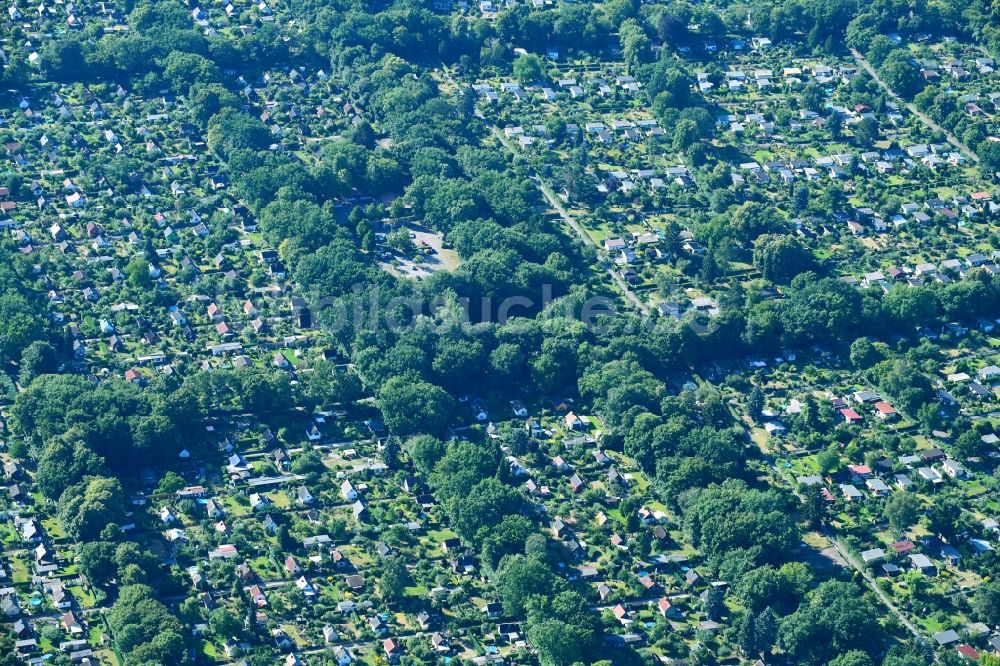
x=946 y=637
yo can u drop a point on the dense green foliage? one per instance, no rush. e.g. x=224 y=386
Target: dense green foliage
x=89 y=439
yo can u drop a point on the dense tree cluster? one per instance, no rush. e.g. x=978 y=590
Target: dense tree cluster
x=411 y=141
x=833 y=620
x=23 y=325
x=732 y=517
x=559 y=622
x=78 y=426
x=825 y=310
x=88 y=507
x=146 y=631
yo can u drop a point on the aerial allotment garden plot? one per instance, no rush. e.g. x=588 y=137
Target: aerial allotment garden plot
x=848 y=170
x=547 y=333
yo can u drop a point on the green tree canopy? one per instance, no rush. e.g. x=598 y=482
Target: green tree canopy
x=144 y=629
x=529 y=68
x=900 y=74
x=87 y=507
x=731 y=515
x=780 y=258
x=902 y=510
x=835 y=618
x=413 y=406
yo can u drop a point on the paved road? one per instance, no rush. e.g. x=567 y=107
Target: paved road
x=924 y=118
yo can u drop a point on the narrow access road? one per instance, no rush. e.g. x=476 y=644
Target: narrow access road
x=846 y=556
x=924 y=118
x=556 y=204
x=886 y=601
